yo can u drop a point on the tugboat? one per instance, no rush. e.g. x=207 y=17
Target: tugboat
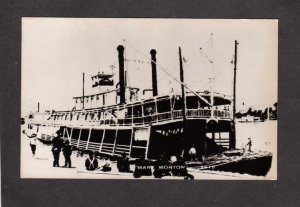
x=118 y=120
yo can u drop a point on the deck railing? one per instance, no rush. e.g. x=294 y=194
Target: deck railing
x=154 y=118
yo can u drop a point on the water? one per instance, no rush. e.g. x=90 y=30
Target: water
x=263 y=136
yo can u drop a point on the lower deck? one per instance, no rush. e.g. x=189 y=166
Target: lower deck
x=170 y=138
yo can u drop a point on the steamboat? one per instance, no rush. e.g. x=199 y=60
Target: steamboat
x=118 y=121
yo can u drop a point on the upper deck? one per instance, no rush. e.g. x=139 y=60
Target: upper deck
x=157 y=110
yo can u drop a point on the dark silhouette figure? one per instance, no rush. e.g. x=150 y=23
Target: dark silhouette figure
x=91 y=163
x=123 y=164
x=249 y=144
x=57 y=144
x=67 y=151
x=179 y=168
x=162 y=167
x=33 y=142
x=142 y=168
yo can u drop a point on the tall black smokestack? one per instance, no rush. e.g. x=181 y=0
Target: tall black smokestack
x=120 y=49
x=154 y=73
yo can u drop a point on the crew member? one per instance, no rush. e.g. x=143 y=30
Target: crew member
x=192 y=153
x=179 y=168
x=32 y=143
x=162 y=167
x=57 y=144
x=123 y=163
x=91 y=163
x=67 y=151
x=142 y=167
x=249 y=144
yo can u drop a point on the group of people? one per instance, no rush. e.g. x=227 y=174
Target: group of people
x=162 y=167
x=59 y=145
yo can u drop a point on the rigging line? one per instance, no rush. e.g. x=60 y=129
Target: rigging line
x=206 y=42
x=206 y=55
x=163 y=69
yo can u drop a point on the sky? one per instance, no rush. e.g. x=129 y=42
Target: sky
x=56 y=51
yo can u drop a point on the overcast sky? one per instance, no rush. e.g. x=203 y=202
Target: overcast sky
x=56 y=51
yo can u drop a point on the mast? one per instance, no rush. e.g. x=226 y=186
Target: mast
x=83 y=91
x=232 y=143
x=184 y=106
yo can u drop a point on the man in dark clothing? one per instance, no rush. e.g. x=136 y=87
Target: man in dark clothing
x=67 y=150
x=179 y=168
x=249 y=144
x=142 y=168
x=162 y=167
x=57 y=144
x=123 y=163
x=91 y=163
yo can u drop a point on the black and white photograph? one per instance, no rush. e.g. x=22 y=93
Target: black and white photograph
x=139 y=98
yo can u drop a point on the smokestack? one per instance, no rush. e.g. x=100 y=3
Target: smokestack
x=154 y=74
x=120 y=49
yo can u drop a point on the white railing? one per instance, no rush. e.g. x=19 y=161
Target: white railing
x=158 y=117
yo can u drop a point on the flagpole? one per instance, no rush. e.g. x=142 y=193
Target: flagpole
x=234 y=95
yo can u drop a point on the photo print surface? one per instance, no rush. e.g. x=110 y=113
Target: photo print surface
x=149 y=99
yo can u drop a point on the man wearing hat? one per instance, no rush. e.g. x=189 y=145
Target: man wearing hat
x=67 y=151
x=57 y=144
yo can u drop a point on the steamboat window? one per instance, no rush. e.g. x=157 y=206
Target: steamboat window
x=178 y=103
x=137 y=111
x=163 y=105
x=99 y=115
x=92 y=115
x=84 y=134
x=192 y=102
x=110 y=136
x=128 y=113
x=123 y=137
x=75 y=133
x=96 y=135
x=149 y=108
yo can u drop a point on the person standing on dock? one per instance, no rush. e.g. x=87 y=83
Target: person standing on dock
x=57 y=144
x=33 y=142
x=249 y=144
x=67 y=151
